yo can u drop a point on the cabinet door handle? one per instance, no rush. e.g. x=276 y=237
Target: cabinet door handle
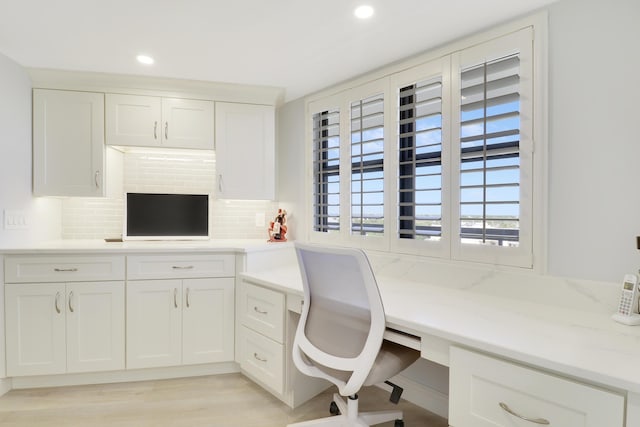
x=258 y=358
x=70 y=299
x=220 y=185
x=155 y=130
x=522 y=417
x=56 y=302
x=95 y=178
x=257 y=310
x=187 y=298
x=65 y=270
x=166 y=130
x=182 y=267
x=175 y=297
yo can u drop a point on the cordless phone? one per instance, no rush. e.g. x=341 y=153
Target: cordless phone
x=628 y=306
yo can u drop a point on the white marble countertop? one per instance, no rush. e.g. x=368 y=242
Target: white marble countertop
x=137 y=246
x=586 y=345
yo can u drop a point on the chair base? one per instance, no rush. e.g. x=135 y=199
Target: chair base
x=349 y=416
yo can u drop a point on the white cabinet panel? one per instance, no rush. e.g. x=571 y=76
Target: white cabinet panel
x=151 y=121
x=187 y=123
x=133 y=120
x=95 y=326
x=35 y=329
x=488 y=392
x=245 y=151
x=60 y=268
x=154 y=323
x=262 y=310
x=180 y=266
x=207 y=320
x=262 y=358
x=55 y=328
x=68 y=143
x=174 y=322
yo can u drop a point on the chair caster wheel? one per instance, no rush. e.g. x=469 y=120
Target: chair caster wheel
x=399 y=423
x=333 y=409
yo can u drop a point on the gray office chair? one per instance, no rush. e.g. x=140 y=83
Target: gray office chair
x=340 y=333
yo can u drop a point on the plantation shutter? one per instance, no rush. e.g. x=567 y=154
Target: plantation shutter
x=490 y=158
x=420 y=161
x=326 y=171
x=367 y=166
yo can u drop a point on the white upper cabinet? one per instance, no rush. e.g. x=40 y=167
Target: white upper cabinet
x=245 y=151
x=68 y=143
x=149 y=121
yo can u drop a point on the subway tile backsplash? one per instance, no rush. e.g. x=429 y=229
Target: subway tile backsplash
x=179 y=172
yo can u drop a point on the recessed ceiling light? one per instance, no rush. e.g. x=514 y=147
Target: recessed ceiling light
x=145 y=59
x=363 y=12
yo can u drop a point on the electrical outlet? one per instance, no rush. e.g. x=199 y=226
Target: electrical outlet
x=15 y=220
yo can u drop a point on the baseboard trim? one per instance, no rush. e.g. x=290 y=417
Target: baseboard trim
x=425 y=397
x=124 y=376
x=5 y=386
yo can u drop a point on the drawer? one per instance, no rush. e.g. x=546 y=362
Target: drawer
x=262 y=358
x=141 y=267
x=262 y=310
x=62 y=268
x=488 y=392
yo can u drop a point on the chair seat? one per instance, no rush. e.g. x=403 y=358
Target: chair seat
x=391 y=360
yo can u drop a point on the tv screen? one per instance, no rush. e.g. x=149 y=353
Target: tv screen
x=153 y=216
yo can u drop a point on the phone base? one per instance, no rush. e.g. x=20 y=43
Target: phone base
x=631 y=320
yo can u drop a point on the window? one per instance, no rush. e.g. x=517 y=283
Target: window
x=367 y=166
x=326 y=171
x=458 y=165
x=420 y=161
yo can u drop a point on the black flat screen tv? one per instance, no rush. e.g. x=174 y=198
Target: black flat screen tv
x=155 y=216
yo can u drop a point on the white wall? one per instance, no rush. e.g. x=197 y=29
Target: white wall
x=594 y=141
x=291 y=165
x=15 y=161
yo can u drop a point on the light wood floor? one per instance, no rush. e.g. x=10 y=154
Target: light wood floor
x=212 y=401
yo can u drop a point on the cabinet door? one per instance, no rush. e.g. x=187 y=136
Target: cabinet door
x=68 y=143
x=207 y=320
x=245 y=151
x=95 y=326
x=489 y=392
x=154 y=323
x=133 y=120
x=187 y=123
x=35 y=329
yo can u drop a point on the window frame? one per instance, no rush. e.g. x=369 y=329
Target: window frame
x=417 y=68
x=517 y=43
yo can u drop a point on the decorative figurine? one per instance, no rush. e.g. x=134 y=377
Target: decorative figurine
x=278 y=227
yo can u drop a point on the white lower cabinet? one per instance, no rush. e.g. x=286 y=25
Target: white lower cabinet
x=179 y=321
x=261 y=345
x=489 y=392
x=56 y=328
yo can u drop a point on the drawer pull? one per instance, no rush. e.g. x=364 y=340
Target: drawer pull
x=258 y=358
x=257 y=310
x=178 y=267
x=56 y=302
x=71 y=299
x=65 y=270
x=531 y=420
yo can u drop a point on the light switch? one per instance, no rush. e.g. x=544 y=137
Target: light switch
x=15 y=220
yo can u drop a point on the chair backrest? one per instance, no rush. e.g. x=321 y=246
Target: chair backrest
x=342 y=321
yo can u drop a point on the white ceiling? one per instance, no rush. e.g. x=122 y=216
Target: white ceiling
x=299 y=45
